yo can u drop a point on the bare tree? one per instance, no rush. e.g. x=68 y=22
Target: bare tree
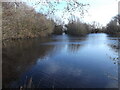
x=69 y=8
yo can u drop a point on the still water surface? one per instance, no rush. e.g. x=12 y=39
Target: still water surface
x=62 y=61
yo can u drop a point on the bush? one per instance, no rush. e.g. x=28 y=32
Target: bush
x=22 y=21
x=113 y=28
x=58 y=29
x=77 y=28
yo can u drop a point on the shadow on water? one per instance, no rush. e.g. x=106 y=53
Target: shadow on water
x=61 y=62
x=20 y=55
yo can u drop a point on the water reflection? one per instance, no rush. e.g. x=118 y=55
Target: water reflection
x=74 y=47
x=18 y=56
x=114 y=47
x=61 y=61
x=75 y=43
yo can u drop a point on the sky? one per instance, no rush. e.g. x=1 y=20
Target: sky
x=100 y=11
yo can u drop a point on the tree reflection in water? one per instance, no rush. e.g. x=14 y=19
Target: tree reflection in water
x=20 y=55
x=76 y=43
x=61 y=61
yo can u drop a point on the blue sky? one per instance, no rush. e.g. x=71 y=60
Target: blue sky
x=100 y=11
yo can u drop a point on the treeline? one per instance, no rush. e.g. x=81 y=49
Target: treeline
x=113 y=27
x=77 y=28
x=22 y=21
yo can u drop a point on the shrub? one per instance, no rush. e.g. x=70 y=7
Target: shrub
x=58 y=29
x=77 y=28
x=113 y=27
x=22 y=21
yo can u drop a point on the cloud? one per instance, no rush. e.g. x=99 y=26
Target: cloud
x=102 y=12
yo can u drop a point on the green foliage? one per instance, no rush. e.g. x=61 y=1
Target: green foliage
x=22 y=21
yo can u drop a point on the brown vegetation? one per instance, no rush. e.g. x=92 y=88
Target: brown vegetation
x=77 y=28
x=58 y=30
x=113 y=27
x=22 y=21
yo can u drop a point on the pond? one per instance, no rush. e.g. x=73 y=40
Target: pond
x=61 y=61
